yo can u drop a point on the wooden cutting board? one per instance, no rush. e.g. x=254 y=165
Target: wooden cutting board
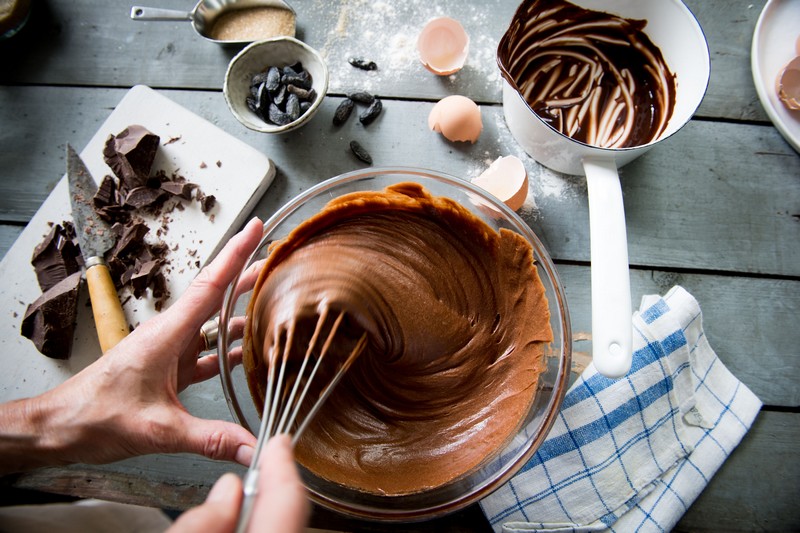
x=234 y=172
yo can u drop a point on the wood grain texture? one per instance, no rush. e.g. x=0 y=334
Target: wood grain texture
x=691 y=202
x=82 y=42
x=754 y=489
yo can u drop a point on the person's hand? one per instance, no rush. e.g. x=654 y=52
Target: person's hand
x=126 y=403
x=281 y=504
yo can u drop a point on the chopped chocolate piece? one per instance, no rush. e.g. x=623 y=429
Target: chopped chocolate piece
x=207 y=202
x=131 y=240
x=117 y=269
x=180 y=188
x=50 y=321
x=160 y=291
x=130 y=155
x=106 y=194
x=57 y=257
x=159 y=250
x=143 y=277
x=144 y=197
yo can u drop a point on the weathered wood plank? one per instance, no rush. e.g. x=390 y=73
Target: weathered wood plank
x=755 y=489
x=750 y=323
x=692 y=202
x=8 y=234
x=94 y=43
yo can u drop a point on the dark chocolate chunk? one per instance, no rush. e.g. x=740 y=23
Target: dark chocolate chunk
x=180 y=188
x=143 y=277
x=363 y=64
x=144 y=197
x=106 y=194
x=360 y=152
x=57 y=257
x=372 y=112
x=131 y=240
x=50 y=321
x=342 y=112
x=207 y=202
x=130 y=154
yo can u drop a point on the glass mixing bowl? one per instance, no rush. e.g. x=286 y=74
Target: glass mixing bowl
x=552 y=385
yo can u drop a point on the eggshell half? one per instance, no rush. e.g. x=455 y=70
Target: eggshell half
x=788 y=84
x=443 y=46
x=506 y=179
x=457 y=118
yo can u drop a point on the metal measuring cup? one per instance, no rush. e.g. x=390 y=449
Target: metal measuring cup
x=207 y=12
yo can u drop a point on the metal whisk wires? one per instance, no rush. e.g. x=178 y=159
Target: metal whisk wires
x=286 y=391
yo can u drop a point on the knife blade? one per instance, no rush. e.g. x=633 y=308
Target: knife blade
x=95 y=238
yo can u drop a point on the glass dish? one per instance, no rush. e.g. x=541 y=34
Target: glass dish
x=552 y=385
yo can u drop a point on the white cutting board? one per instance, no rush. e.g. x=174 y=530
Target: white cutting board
x=237 y=174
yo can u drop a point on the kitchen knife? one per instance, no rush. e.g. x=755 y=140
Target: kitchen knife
x=95 y=239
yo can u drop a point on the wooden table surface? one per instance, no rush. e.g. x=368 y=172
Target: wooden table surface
x=715 y=208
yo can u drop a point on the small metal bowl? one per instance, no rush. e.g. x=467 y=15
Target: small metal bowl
x=258 y=56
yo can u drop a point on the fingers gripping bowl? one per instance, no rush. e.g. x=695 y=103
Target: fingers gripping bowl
x=505 y=457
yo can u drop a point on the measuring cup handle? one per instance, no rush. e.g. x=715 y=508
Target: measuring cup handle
x=611 y=289
x=156 y=13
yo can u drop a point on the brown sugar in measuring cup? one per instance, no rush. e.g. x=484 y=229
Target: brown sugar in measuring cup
x=230 y=21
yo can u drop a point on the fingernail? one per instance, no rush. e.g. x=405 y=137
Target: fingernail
x=222 y=489
x=244 y=455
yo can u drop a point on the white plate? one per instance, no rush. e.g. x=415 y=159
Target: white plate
x=236 y=173
x=774 y=40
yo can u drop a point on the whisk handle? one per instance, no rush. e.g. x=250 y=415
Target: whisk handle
x=250 y=493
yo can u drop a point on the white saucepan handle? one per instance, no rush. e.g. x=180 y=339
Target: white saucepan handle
x=611 y=289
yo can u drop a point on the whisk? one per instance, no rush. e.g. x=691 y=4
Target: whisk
x=285 y=396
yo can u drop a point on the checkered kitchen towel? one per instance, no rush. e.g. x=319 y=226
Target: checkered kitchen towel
x=633 y=454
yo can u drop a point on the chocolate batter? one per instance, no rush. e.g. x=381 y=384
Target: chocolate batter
x=457 y=320
x=593 y=76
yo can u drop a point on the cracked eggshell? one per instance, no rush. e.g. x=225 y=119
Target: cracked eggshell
x=506 y=179
x=788 y=84
x=457 y=118
x=443 y=46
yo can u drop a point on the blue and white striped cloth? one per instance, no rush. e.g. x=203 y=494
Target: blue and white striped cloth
x=633 y=454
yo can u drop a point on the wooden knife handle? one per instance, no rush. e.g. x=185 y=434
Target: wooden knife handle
x=112 y=326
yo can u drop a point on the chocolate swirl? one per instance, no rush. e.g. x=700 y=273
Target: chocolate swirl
x=594 y=77
x=457 y=320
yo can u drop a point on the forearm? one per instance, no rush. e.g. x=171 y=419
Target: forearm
x=26 y=437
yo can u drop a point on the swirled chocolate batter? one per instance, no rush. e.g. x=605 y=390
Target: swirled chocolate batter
x=457 y=320
x=593 y=76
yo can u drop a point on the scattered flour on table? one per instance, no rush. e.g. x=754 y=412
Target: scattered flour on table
x=543 y=183
x=386 y=32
